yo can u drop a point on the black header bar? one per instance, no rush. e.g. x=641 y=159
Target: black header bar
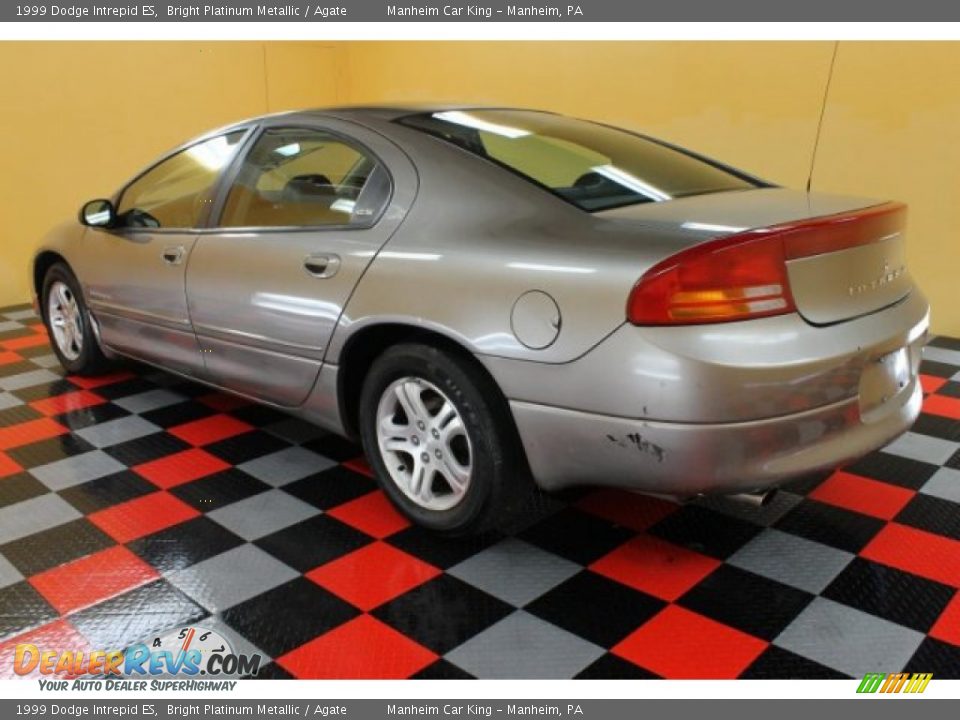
x=483 y=12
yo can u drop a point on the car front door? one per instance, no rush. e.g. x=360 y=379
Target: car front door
x=306 y=210
x=134 y=272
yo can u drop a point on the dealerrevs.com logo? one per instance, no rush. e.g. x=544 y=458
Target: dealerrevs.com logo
x=185 y=658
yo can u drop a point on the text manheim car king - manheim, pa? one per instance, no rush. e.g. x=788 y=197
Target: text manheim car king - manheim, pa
x=485 y=710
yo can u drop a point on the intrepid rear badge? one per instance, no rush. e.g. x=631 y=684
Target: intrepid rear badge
x=889 y=275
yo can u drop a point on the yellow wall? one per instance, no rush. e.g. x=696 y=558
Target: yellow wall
x=890 y=121
x=892 y=129
x=78 y=119
x=743 y=102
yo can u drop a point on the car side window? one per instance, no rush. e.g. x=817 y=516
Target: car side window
x=297 y=177
x=174 y=193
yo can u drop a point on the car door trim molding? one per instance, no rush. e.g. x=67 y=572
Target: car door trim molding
x=238 y=337
x=144 y=316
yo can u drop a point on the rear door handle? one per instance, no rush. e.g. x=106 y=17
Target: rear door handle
x=173 y=255
x=322 y=265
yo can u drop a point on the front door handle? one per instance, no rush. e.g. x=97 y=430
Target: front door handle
x=173 y=255
x=322 y=265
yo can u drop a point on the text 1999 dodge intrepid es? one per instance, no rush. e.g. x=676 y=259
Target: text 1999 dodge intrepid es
x=483 y=294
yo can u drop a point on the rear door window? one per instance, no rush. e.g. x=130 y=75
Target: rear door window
x=296 y=177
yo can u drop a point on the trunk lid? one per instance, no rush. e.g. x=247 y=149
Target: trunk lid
x=845 y=255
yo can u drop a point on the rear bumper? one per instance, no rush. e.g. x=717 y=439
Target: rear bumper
x=567 y=447
x=726 y=408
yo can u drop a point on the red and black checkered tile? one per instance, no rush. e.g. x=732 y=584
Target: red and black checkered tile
x=136 y=502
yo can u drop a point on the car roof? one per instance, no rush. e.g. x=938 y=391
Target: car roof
x=378 y=114
x=399 y=110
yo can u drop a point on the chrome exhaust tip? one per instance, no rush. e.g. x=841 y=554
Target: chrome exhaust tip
x=755 y=499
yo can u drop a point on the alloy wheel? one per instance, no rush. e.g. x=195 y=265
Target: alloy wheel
x=65 y=319
x=424 y=443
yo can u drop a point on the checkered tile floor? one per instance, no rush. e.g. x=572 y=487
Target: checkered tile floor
x=135 y=502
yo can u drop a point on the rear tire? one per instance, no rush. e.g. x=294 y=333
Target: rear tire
x=441 y=440
x=67 y=319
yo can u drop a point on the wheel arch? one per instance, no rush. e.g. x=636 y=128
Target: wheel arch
x=364 y=346
x=42 y=263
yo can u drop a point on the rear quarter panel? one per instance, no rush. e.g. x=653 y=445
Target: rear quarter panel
x=477 y=238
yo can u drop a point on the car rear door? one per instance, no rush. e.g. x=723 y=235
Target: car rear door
x=303 y=214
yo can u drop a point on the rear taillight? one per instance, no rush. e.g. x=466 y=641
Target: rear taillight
x=744 y=276
x=728 y=279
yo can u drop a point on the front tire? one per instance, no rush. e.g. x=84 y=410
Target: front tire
x=441 y=441
x=67 y=320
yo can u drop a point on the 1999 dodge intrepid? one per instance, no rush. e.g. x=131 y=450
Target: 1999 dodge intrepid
x=482 y=295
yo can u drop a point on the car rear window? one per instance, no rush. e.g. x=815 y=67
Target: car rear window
x=593 y=166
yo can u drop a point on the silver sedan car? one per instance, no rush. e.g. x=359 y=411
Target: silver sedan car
x=498 y=299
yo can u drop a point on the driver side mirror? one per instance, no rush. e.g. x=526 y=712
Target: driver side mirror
x=98 y=213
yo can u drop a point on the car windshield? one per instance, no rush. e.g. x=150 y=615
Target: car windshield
x=593 y=166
